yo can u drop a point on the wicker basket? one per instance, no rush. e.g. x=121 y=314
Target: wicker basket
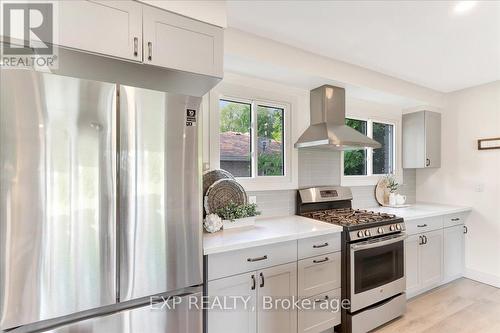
x=221 y=193
x=211 y=176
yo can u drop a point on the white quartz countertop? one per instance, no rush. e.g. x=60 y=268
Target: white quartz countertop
x=421 y=210
x=266 y=231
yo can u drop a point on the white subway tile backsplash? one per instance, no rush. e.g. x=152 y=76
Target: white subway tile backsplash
x=318 y=168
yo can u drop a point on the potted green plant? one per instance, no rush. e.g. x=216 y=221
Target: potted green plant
x=234 y=215
x=392 y=186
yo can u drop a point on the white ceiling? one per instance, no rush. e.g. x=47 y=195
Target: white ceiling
x=424 y=42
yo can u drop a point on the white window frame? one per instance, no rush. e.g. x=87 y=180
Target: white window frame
x=370 y=178
x=254 y=97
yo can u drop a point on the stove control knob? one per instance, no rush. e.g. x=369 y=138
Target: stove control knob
x=398 y=226
x=380 y=230
x=367 y=233
x=360 y=234
x=392 y=228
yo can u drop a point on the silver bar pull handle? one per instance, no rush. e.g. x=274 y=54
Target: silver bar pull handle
x=257 y=259
x=320 y=246
x=136 y=46
x=150 y=51
x=422 y=225
x=320 y=261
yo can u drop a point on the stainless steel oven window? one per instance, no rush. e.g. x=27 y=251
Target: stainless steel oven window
x=378 y=266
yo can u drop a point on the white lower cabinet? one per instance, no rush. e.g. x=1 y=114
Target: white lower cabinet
x=431 y=259
x=273 y=280
x=412 y=247
x=424 y=261
x=324 y=315
x=434 y=252
x=261 y=288
x=453 y=252
x=241 y=319
x=277 y=284
x=319 y=274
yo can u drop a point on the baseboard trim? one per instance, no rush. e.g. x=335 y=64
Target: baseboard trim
x=486 y=278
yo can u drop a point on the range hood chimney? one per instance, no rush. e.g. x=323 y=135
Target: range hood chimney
x=328 y=130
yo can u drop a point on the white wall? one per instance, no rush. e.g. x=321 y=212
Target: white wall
x=471 y=177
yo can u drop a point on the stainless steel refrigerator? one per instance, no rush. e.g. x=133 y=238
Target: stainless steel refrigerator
x=99 y=206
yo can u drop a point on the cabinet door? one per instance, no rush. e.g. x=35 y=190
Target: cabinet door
x=111 y=28
x=431 y=259
x=412 y=245
x=177 y=42
x=241 y=319
x=433 y=139
x=277 y=283
x=453 y=252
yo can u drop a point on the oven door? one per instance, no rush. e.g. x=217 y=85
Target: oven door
x=377 y=270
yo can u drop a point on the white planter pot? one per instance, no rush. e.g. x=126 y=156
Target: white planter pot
x=392 y=199
x=239 y=223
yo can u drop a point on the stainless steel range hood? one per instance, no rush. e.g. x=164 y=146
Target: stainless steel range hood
x=328 y=130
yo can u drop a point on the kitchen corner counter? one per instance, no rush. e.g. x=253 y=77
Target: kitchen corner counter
x=266 y=231
x=422 y=210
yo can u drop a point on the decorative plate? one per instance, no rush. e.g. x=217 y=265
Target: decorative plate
x=211 y=176
x=381 y=193
x=222 y=192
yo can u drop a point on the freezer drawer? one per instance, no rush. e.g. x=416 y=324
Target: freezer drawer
x=185 y=318
x=57 y=196
x=160 y=196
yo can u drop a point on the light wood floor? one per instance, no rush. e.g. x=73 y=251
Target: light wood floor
x=460 y=306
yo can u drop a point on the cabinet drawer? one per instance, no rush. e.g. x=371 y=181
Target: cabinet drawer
x=235 y=262
x=318 y=320
x=315 y=246
x=454 y=219
x=424 y=225
x=319 y=274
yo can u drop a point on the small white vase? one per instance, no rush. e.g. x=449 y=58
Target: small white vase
x=392 y=199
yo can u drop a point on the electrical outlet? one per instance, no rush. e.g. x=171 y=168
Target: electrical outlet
x=479 y=188
x=252 y=199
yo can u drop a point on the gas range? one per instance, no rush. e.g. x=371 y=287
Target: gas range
x=372 y=259
x=333 y=205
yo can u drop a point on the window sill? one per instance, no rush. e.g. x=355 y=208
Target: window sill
x=366 y=180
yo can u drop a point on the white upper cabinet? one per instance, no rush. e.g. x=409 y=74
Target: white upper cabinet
x=177 y=42
x=422 y=140
x=112 y=28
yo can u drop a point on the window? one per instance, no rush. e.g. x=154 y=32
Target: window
x=235 y=141
x=368 y=162
x=240 y=137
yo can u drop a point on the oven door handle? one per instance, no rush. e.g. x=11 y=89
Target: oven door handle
x=370 y=245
